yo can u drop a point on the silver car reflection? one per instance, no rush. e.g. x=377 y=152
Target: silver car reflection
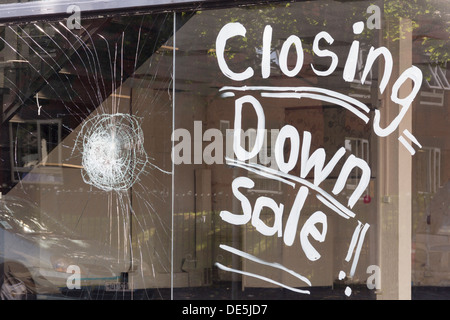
x=40 y=257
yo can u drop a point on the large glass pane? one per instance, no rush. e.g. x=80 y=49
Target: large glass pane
x=278 y=221
x=287 y=150
x=86 y=169
x=332 y=176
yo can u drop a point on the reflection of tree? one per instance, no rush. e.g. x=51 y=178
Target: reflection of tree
x=428 y=22
x=286 y=18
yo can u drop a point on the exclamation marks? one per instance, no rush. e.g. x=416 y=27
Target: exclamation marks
x=348 y=290
x=354 y=250
x=412 y=139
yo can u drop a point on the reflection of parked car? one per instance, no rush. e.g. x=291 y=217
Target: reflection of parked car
x=36 y=252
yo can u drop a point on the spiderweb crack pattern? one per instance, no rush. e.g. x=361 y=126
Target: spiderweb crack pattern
x=112 y=148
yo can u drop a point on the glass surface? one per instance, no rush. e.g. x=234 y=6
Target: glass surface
x=267 y=224
x=293 y=150
x=87 y=120
x=329 y=190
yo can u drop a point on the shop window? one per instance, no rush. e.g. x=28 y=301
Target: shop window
x=89 y=115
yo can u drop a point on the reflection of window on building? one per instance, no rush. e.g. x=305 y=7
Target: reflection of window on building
x=435 y=78
x=428 y=170
x=31 y=143
x=360 y=149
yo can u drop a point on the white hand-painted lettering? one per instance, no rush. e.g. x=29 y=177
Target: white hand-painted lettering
x=265 y=62
x=324 y=53
x=415 y=74
x=292 y=40
x=38 y=105
x=290 y=180
x=240 y=182
x=294 y=216
x=262 y=262
x=314 y=230
x=352 y=59
x=287 y=132
x=240 y=152
x=310 y=229
x=259 y=224
x=356 y=245
x=228 y=31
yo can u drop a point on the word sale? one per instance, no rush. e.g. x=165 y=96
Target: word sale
x=308 y=162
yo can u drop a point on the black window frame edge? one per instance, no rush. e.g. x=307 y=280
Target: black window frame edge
x=13 y=13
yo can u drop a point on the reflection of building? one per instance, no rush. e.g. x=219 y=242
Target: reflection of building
x=431 y=167
x=56 y=80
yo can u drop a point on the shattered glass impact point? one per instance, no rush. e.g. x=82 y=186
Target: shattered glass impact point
x=112 y=148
